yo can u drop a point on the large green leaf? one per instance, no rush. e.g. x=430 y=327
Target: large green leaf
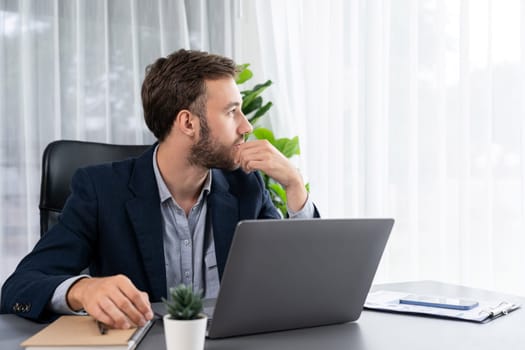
x=256 y=91
x=279 y=190
x=253 y=106
x=278 y=195
x=264 y=134
x=262 y=111
x=264 y=85
x=288 y=147
x=244 y=73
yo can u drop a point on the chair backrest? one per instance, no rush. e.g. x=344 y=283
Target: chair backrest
x=59 y=162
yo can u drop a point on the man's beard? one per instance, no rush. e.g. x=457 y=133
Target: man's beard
x=209 y=153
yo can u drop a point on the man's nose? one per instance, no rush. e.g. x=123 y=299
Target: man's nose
x=245 y=127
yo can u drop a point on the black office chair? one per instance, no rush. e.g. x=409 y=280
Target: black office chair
x=59 y=162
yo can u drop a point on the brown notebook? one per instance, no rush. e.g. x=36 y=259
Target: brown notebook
x=81 y=332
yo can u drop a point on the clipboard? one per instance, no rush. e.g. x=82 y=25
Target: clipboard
x=486 y=311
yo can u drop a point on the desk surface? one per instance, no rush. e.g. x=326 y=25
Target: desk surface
x=373 y=330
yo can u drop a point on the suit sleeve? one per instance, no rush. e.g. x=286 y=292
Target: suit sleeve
x=63 y=252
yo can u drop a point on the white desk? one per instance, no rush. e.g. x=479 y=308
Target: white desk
x=374 y=330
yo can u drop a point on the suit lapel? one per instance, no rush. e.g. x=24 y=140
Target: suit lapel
x=224 y=210
x=146 y=218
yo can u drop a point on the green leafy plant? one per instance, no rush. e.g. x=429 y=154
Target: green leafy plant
x=254 y=108
x=183 y=303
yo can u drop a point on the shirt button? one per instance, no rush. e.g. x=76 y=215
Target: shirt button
x=187 y=242
x=187 y=274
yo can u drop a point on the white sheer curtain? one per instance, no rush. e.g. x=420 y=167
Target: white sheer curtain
x=412 y=109
x=73 y=70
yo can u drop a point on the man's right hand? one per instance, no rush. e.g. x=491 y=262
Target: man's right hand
x=114 y=300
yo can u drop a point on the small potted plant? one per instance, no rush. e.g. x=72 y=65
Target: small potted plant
x=185 y=323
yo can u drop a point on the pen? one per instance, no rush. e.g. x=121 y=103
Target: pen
x=102 y=329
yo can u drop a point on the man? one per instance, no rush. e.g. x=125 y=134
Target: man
x=167 y=217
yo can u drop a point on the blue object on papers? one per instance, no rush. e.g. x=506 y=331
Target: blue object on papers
x=447 y=303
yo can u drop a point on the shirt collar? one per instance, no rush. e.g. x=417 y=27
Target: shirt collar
x=164 y=192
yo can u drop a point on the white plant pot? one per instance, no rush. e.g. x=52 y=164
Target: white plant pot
x=185 y=334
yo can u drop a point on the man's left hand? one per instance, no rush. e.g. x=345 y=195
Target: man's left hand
x=262 y=155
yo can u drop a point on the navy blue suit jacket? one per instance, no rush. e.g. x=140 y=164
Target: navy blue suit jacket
x=112 y=223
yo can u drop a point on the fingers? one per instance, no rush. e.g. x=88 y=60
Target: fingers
x=257 y=155
x=133 y=303
x=114 y=301
x=262 y=155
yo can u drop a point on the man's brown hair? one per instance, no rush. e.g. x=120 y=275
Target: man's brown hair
x=177 y=82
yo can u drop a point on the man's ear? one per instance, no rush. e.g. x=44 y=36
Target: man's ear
x=186 y=122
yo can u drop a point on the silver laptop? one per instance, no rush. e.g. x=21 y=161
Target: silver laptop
x=288 y=274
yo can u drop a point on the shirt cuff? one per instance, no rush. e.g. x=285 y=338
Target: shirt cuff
x=58 y=303
x=307 y=212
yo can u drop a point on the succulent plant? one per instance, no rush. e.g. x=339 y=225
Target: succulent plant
x=183 y=303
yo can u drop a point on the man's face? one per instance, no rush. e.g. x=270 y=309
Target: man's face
x=223 y=127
